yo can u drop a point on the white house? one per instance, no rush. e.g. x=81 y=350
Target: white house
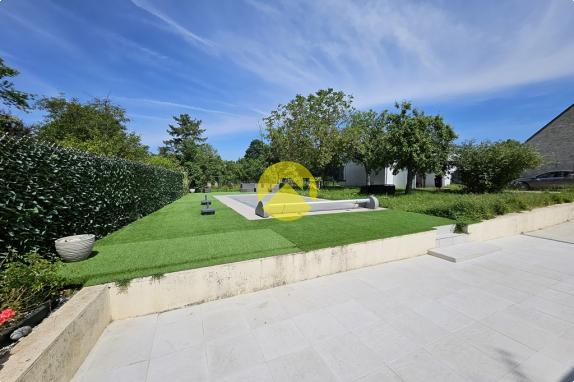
x=354 y=175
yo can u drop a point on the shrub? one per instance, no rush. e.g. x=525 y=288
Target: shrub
x=28 y=282
x=49 y=192
x=491 y=166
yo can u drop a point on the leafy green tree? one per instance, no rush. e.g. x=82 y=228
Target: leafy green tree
x=10 y=97
x=307 y=129
x=97 y=126
x=186 y=136
x=205 y=167
x=417 y=142
x=258 y=150
x=364 y=141
x=491 y=166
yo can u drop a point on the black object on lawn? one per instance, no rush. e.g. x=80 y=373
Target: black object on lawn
x=208 y=211
x=205 y=201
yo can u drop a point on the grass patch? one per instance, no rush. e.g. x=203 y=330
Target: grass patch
x=177 y=238
x=458 y=206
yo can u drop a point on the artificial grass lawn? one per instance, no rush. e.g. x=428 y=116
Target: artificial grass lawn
x=177 y=237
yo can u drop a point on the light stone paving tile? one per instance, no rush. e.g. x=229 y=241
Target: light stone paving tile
x=540 y=368
x=467 y=360
x=177 y=335
x=347 y=357
x=386 y=341
x=505 y=292
x=443 y=316
x=136 y=372
x=303 y=366
x=279 y=339
x=223 y=323
x=352 y=315
x=384 y=306
x=411 y=296
x=519 y=330
x=259 y=373
x=539 y=319
x=185 y=365
x=232 y=355
x=122 y=343
x=294 y=302
x=190 y=314
x=319 y=325
x=421 y=366
x=566 y=286
x=558 y=297
x=418 y=328
x=263 y=312
x=560 y=350
x=353 y=287
x=550 y=307
x=383 y=374
x=495 y=344
x=475 y=303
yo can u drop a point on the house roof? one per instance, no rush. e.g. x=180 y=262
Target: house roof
x=549 y=123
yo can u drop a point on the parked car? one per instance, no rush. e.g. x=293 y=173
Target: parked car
x=552 y=179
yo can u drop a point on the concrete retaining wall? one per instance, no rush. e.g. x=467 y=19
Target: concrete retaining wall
x=519 y=222
x=174 y=290
x=56 y=348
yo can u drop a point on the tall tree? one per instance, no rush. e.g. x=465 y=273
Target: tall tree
x=186 y=136
x=307 y=129
x=97 y=126
x=417 y=142
x=10 y=97
x=258 y=150
x=364 y=141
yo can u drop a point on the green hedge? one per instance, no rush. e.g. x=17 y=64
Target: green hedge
x=47 y=192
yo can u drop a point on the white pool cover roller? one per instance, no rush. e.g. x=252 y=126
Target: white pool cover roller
x=264 y=209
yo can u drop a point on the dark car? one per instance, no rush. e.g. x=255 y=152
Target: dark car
x=552 y=179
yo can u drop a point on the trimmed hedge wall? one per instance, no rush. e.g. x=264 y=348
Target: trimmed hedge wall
x=47 y=192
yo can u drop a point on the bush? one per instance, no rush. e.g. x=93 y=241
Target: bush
x=28 y=282
x=491 y=166
x=49 y=192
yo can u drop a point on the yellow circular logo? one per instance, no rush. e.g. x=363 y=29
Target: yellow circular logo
x=277 y=195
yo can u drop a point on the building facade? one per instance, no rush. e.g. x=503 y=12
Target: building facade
x=354 y=175
x=555 y=142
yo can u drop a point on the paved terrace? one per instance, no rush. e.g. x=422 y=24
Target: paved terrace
x=507 y=316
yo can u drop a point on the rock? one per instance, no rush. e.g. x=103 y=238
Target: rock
x=20 y=333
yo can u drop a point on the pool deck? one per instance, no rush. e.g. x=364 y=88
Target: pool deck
x=244 y=204
x=505 y=316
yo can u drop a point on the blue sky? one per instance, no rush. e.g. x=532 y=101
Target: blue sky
x=494 y=70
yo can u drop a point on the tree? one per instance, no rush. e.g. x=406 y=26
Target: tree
x=491 y=166
x=11 y=97
x=364 y=141
x=205 y=167
x=97 y=126
x=8 y=94
x=258 y=150
x=307 y=129
x=417 y=142
x=186 y=136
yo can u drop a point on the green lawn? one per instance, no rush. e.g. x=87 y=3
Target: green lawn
x=177 y=237
x=461 y=207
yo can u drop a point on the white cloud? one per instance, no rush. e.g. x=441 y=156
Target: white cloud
x=175 y=26
x=381 y=51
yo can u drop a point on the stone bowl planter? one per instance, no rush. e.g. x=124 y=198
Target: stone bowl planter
x=75 y=248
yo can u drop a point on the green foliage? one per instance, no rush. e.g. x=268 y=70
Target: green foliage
x=13 y=125
x=307 y=129
x=205 y=167
x=418 y=142
x=28 y=282
x=364 y=141
x=49 y=192
x=491 y=166
x=186 y=136
x=97 y=126
x=258 y=150
x=9 y=96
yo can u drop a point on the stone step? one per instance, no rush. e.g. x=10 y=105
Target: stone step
x=463 y=252
x=452 y=239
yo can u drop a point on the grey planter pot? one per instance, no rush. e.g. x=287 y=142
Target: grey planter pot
x=75 y=248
